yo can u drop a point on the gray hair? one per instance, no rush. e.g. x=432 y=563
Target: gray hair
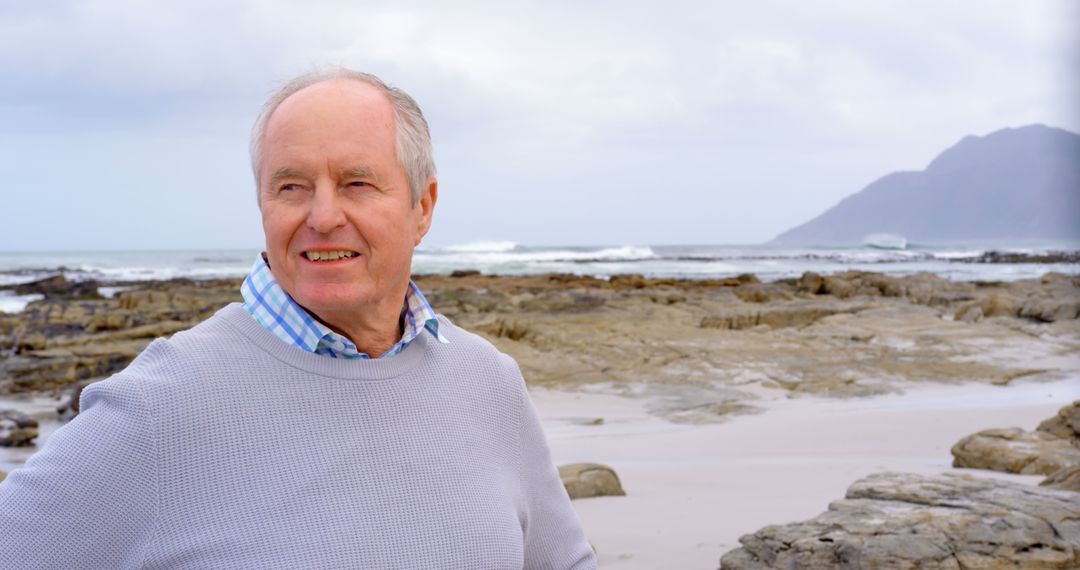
x=412 y=140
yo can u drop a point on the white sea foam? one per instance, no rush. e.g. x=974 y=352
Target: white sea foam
x=161 y=273
x=959 y=254
x=22 y=277
x=539 y=255
x=110 y=292
x=482 y=247
x=509 y=258
x=11 y=304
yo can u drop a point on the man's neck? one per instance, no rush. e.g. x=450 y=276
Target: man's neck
x=374 y=330
x=372 y=336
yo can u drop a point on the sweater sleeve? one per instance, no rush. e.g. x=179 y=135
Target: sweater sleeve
x=87 y=499
x=554 y=538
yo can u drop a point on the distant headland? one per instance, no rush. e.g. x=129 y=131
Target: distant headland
x=1013 y=184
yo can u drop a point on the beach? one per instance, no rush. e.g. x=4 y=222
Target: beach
x=693 y=490
x=724 y=403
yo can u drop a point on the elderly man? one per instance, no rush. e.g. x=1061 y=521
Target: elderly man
x=331 y=420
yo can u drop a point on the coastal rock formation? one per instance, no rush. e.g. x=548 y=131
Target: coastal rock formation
x=1056 y=301
x=1053 y=446
x=1066 y=424
x=997 y=305
x=584 y=480
x=763 y=293
x=67 y=338
x=705 y=347
x=921 y=288
x=58 y=287
x=1014 y=450
x=898 y=520
x=1055 y=297
x=793 y=315
x=53 y=368
x=993 y=256
x=17 y=429
x=1067 y=478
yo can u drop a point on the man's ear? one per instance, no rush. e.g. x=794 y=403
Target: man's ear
x=428 y=197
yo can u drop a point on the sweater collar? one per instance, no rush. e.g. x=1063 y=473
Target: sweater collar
x=273 y=308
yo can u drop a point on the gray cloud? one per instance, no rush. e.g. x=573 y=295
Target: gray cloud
x=607 y=122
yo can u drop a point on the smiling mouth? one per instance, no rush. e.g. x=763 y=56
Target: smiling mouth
x=325 y=256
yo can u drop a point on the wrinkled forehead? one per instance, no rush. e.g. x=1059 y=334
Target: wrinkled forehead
x=345 y=102
x=335 y=114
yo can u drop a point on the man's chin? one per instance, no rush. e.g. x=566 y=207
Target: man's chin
x=334 y=303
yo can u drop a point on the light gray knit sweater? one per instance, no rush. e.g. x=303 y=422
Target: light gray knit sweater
x=224 y=447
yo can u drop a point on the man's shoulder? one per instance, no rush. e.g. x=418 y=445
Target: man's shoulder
x=463 y=342
x=214 y=330
x=166 y=355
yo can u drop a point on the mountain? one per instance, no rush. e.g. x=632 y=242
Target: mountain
x=1012 y=184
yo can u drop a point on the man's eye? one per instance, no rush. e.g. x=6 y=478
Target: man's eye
x=358 y=184
x=289 y=187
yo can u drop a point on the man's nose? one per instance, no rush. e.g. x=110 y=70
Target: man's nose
x=326 y=212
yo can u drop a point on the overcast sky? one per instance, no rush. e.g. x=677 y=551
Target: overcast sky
x=124 y=123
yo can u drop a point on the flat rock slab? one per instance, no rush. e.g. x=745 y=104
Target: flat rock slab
x=902 y=521
x=791 y=315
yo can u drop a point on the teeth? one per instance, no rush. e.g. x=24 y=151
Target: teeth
x=328 y=255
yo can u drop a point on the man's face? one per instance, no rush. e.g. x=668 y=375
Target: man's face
x=339 y=220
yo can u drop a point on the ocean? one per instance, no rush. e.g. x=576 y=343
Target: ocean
x=768 y=262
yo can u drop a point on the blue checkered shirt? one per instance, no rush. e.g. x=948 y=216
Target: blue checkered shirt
x=275 y=310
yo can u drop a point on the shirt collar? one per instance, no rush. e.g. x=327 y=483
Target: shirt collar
x=268 y=303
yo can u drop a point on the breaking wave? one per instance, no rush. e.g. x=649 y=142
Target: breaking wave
x=482 y=247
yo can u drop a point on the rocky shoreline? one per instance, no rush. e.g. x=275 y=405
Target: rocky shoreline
x=706 y=348
x=950 y=521
x=945 y=522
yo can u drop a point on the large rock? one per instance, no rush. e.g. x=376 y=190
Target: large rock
x=812 y=283
x=1066 y=424
x=898 y=520
x=1050 y=309
x=17 y=429
x=996 y=305
x=56 y=368
x=1014 y=450
x=839 y=287
x=584 y=480
x=762 y=293
x=921 y=288
x=1054 y=445
x=58 y=287
x=1067 y=478
x=1057 y=299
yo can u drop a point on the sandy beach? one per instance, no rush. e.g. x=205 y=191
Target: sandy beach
x=693 y=490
